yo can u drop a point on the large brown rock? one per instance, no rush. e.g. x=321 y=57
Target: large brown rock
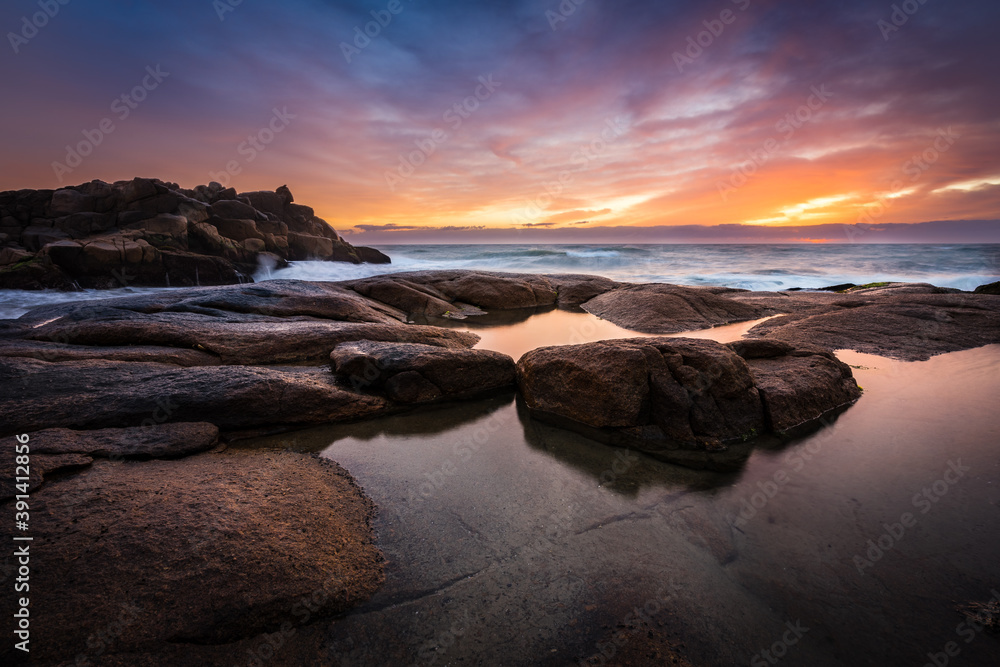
x=659 y=309
x=137 y=557
x=796 y=386
x=455 y=290
x=658 y=395
x=306 y=246
x=415 y=373
x=371 y=255
x=238 y=230
x=683 y=400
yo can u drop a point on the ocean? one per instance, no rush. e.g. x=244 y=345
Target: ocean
x=753 y=267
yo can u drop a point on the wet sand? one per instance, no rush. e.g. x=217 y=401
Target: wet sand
x=514 y=543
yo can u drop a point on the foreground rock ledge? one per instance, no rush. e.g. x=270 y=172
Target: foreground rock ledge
x=679 y=399
x=204 y=550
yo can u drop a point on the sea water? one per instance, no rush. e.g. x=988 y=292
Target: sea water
x=744 y=266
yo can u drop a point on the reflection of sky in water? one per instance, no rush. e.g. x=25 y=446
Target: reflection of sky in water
x=545 y=539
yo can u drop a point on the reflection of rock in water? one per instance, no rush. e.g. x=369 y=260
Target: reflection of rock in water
x=683 y=400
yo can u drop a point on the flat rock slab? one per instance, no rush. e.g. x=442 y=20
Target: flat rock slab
x=131 y=556
x=413 y=373
x=274 y=298
x=679 y=399
x=660 y=309
x=267 y=341
x=56 y=450
x=912 y=323
x=54 y=351
x=98 y=394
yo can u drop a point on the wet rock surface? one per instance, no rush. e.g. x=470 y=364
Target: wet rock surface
x=156 y=376
x=661 y=309
x=414 y=373
x=682 y=400
x=99 y=394
x=149 y=232
x=796 y=386
x=146 y=558
x=909 y=322
x=57 y=450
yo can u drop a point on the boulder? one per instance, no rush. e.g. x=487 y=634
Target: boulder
x=305 y=246
x=166 y=224
x=572 y=290
x=371 y=255
x=415 y=373
x=233 y=209
x=796 y=386
x=137 y=188
x=682 y=400
x=68 y=201
x=238 y=230
x=134 y=546
x=35 y=237
x=9 y=256
x=656 y=308
x=254 y=245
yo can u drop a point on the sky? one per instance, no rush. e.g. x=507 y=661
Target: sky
x=421 y=120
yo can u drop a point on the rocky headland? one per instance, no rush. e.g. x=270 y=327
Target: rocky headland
x=128 y=404
x=151 y=233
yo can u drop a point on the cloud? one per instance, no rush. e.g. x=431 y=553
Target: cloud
x=538 y=139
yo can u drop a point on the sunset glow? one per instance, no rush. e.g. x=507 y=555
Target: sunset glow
x=522 y=115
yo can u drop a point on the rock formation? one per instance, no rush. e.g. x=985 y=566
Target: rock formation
x=680 y=399
x=147 y=232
